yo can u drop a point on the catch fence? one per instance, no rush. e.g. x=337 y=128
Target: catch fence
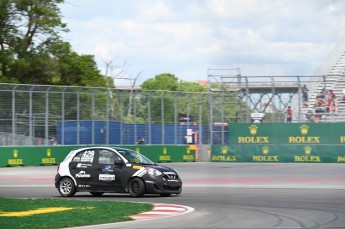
x=73 y=115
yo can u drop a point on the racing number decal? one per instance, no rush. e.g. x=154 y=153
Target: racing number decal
x=88 y=156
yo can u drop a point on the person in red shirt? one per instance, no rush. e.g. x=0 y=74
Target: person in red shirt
x=288 y=114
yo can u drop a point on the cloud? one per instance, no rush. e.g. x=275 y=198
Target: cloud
x=275 y=37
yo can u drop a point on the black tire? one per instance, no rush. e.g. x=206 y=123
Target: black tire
x=97 y=194
x=136 y=187
x=67 y=187
x=165 y=195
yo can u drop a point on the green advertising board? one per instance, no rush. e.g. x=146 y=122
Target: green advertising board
x=52 y=155
x=283 y=142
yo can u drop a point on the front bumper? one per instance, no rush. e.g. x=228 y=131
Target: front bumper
x=161 y=186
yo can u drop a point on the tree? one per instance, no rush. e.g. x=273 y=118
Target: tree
x=164 y=81
x=7 y=35
x=167 y=94
x=32 y=50
x=73 y=69
x=28 y=28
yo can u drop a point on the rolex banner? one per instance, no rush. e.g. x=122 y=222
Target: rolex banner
x=52 y=155
x=283 y=142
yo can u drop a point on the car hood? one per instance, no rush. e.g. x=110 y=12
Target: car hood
x=162 y=168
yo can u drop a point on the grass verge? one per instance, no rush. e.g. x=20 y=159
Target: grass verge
x=53 y=213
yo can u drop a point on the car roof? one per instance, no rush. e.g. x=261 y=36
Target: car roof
x=73 y=152
x=77 y=150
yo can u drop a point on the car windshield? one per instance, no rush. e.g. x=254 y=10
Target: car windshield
x=134 y=157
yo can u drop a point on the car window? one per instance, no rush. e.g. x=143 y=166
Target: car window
x=76 y=158
x=134 y=157
x=84 y=156
x=107 y=157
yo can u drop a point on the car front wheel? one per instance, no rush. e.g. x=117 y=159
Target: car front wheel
x=136 y=187
x=67 y=187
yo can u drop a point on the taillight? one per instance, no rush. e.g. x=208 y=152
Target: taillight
x=58 y=167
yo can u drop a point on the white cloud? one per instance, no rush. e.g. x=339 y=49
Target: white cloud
x=275 y=37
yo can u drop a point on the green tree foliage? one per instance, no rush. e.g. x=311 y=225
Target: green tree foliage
x=164 y=81
x=172 y=97
x=32 y=51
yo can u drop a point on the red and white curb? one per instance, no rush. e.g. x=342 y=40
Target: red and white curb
x=163 y=210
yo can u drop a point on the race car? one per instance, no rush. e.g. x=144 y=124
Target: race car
x=100 y=170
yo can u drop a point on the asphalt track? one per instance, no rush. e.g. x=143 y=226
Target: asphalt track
x=224 y=195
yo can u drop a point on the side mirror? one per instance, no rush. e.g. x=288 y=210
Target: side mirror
x=118 y=161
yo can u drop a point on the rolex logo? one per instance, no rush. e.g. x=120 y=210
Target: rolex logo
x=265 y=149
x=224 y=149
x=307 y=150
x=15 y=153
x=304 y=129
x=253 y=129
x=164 y=150
x=49 y=153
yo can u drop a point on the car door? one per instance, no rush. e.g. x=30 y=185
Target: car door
x=107 y=174
x=82 y=168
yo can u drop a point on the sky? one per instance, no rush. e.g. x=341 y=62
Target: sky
x=188 y=38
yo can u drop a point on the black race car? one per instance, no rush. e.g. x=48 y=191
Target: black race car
x=100 y=170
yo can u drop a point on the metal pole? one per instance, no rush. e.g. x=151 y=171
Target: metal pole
x=200 y=119
x=222 y=117
x=273 y=96
x=78 y=118
x=93 y=117
x=299 y=99
x=149 y=118
x=107 y=131
x=14 y=117
x=121 y=118
x=30 y=117
x=175 y=117
x=162 y=118
x=210 y=118
x=135 y=117
x=63 y=117
x=46 y=128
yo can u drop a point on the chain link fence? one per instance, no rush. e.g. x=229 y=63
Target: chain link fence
x=61 y=115
x=72 y=115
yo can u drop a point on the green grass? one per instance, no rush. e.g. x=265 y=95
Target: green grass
x=82 y=212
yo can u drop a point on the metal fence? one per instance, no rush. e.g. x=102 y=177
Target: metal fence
x=67 y=115
x=44 y=115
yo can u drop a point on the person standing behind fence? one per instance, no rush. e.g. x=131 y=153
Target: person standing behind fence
x=330 y=102
x=305 y=95
x=288 y=114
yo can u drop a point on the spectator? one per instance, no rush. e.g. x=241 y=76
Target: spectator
x=288 y=114
x=309 y=116
x=320 y=100
x=305 y=95
x=331 y=102
x=140 y=141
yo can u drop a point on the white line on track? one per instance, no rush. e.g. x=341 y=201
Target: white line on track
x=267 y=186
x=27 y=186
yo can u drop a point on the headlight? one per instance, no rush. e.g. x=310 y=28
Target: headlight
x=154 y=172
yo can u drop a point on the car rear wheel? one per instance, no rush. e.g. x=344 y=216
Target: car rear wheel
x=136 y=187
x=97 y=193
x=67 y=187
